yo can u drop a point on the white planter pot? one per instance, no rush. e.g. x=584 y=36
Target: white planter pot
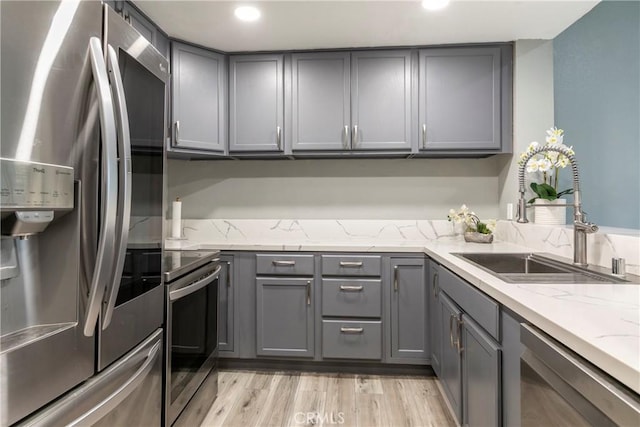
x=550 y=215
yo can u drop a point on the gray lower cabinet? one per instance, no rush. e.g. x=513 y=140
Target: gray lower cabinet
x=352 y=339
x=256 y=103
x=461 y=104
x=435 y=318
x=320 y=101
x=409 y=310
x=451 y=361
x=226 y=307
x=199 y=99
x=481 y=368
x=381 y=100
x=471 y=354
x=284 y=317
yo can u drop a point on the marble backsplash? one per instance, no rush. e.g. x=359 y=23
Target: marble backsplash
x=558 y=240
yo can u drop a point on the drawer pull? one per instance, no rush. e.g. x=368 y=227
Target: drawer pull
x=283 y=263
x=351 y=264
x=348 y=288
x=351 y=330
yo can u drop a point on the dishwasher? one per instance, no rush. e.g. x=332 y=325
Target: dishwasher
x=560 y=388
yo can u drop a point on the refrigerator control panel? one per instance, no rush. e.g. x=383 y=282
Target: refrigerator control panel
x=35 y=186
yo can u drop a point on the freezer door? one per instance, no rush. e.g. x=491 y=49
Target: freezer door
x=128 y=393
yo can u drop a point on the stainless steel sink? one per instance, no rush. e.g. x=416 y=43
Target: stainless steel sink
x=535 y=268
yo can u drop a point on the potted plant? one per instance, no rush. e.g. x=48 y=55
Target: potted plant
x=474 y=229
x=546 y=166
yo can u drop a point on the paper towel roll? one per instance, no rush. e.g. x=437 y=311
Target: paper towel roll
x=176 y=223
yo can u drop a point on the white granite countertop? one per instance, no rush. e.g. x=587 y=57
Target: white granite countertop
x=601 y=322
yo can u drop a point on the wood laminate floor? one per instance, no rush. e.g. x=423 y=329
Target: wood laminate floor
x=247 y=398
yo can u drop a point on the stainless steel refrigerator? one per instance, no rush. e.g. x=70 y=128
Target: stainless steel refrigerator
x=81 y=199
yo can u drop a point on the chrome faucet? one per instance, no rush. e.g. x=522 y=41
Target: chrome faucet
x=580 y=225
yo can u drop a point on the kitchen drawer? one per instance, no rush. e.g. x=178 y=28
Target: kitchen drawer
x=484 y=310
x=351 y=298
x=351 y=340
x=349 y=265
x=284 y=264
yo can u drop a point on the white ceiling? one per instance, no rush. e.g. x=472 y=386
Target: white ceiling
x=307 y=24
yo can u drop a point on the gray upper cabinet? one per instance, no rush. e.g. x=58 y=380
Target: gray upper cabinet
x=343 y=101
x=381 y=100
x=146 y=28
x=256 y=103
x=320 y=101
x=460 y=99
x=284 y=317
x=409 y=314
x=199 y=95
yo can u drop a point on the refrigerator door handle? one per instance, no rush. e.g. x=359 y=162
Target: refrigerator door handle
x=106 y=253
x=124 y=187
x=114 y=399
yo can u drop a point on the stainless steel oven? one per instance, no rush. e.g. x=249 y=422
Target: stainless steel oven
x=559 y=388
x=192 y=280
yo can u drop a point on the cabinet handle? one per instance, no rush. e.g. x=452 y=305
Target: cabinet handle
x=308 y=292
x=395 y=278
x=459 y=322
x=354 y=139
x=228 y=274
x=424 y=135
x=451 y=316
x=127 y=17
x=177 y=126
x=279 y=137
x=283 y=263
x=351 y=264
x=436 y=291
x=348 y=288
x=351 y=330
x=345 y=137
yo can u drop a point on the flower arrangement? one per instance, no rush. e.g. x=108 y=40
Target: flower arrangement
x=548 y=164
x=471 y=221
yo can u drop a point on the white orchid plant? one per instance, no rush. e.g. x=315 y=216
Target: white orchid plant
x=547 y=164
x=471 y=220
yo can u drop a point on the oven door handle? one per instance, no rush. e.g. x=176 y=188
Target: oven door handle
x=194 y=287
x=124 y=190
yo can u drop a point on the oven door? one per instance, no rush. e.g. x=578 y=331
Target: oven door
x=558 y=388
x=192 y=335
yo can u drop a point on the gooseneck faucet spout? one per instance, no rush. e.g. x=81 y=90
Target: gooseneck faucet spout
x=580 y=225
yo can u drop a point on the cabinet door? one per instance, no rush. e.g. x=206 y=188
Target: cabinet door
x=199 y=98
x=481 y=367
x=381 y=100
x=460 y=99
x=284 y=322
x=451 y=362
x=256 y=103
x=226 y=305
x=320 y=101
x=409 y=314
x=435 y=318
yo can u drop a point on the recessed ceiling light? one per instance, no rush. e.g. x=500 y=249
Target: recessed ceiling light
x=247 y=13
x=435 y=4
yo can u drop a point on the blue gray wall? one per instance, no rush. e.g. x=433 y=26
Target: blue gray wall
x=597 y=103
